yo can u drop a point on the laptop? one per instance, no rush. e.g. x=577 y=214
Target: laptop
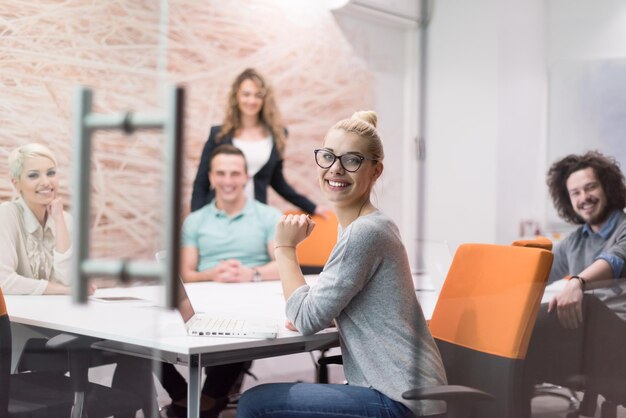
x=201 y=324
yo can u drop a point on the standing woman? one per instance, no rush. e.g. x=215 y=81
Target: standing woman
x=386 y=345
x=254 y=125
x=35 y=246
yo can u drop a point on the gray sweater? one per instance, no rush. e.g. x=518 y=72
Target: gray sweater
x=366 y=287
x=583 y=246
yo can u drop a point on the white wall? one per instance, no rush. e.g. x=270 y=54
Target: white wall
x=486 y=107
x=485 y=117
x=461 y=122
x=522 y=95
x=582 y=29
x=389 y=48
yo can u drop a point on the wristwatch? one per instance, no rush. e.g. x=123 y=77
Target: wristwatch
x=257 y=276
x=583 y=282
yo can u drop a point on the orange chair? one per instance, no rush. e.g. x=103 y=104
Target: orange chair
x=314 y=251
x=482 y=325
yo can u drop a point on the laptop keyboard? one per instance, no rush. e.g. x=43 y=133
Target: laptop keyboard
x=218 y=326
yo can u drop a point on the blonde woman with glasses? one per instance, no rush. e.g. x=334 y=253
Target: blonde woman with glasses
x=365 y=288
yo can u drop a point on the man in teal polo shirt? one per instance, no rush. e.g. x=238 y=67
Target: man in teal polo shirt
x=230 y=239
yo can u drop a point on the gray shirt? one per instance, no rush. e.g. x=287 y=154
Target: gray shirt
x=583 y=246
x=366 y=287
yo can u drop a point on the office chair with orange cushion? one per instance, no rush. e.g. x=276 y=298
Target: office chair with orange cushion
x=482 y=324
x=314 y=251
x=52 y=394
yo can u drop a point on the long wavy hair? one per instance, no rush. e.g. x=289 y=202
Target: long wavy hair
x=269 y=115
x=607 y=171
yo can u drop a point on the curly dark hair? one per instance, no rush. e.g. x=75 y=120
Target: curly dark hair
x=607 y=171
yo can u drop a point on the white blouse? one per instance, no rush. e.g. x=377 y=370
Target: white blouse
x=28 y=258
x=257 y=154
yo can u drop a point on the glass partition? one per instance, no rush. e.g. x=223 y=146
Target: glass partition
x=129 y=53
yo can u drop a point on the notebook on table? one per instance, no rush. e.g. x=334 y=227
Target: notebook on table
x=204 y=324
x=113 y=299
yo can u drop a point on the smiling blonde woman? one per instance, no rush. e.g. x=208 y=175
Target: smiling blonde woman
x=35 y=246
x=368 y=293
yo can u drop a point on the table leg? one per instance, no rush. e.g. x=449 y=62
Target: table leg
x=193 y=386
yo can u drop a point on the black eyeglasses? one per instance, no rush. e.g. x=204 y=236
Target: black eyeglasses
x=349 y=161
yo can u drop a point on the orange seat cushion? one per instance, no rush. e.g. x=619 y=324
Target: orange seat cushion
x=490 y=298
x=315 y=250
x=3 y=305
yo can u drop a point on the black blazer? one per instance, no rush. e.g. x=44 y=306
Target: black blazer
x=271 y=174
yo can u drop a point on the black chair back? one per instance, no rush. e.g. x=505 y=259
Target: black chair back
x=5 y=357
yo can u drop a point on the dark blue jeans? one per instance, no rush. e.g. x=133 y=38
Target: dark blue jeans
x=299 y=400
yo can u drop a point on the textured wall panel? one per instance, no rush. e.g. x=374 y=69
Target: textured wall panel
x=49 y=47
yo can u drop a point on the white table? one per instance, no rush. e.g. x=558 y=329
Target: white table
x=142 y=329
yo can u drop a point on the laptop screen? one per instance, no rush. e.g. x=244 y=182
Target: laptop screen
x=184 y=304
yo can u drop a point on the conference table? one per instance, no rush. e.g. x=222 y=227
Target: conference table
x=142 y=328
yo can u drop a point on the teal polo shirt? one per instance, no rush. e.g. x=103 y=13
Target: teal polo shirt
x=243 y=236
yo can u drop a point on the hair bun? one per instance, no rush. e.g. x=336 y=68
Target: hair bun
x=368 y=116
